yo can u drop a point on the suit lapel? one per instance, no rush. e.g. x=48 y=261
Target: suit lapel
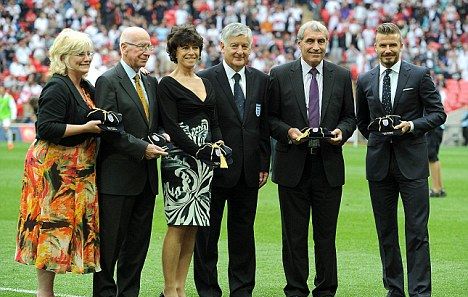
x=402 y=79
x=375 y=88
x=298 y=88
x=327 y=87
x=223 y=83
x=130 y=90
x=249 y=88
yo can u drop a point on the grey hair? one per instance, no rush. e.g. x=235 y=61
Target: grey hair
x=315 y=26
x=234 y=30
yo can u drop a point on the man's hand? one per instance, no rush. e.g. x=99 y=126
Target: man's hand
x=154 y=151
x=405 y=126
x=337 y=137
x=263 y=178
x=293 y=134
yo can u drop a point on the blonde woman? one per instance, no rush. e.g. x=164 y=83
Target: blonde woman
x=58 y=221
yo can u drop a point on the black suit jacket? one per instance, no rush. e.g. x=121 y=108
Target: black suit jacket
x=60 y=104
x=248 y=138
x=417 y=100
x=122 y=168
x=287 y=109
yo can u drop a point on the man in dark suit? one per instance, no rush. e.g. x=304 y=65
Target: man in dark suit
x=126 y=166
x=310 y=92
x=397 y=165
x=243 y=121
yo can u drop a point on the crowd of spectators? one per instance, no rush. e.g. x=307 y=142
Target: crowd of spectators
x=435 y=33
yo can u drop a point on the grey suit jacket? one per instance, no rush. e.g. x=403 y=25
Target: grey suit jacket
x=122 y=168
x=287 y=109
x=417 y=100
x=249 y=138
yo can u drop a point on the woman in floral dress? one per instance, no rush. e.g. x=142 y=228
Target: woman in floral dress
x=58 y=224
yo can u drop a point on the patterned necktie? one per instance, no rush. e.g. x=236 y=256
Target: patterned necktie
x=239 y=97
x=313 y=110
x=141 y=95
x=387 y=93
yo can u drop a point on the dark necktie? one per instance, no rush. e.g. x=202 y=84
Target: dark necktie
x=239 y=97
x=313 y=110
x=387 y=92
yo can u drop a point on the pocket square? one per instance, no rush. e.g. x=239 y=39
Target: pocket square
x=407 y=89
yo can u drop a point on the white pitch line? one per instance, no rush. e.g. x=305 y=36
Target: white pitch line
x=34 y=292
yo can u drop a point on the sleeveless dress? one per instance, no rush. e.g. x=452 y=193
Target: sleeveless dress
x=186 y=180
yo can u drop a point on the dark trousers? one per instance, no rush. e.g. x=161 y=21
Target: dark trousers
x=415 y=197
x=242 y=206
x=125 y=231
x=313 y=195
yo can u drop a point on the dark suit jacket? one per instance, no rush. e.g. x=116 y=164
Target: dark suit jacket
x=122 y=168
x=287 y=109
x=249 y=139
x=60 y=104
x=417 y=100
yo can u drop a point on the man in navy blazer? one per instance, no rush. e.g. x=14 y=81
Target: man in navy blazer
x=127 y=174
x=310 y=92
x=244 y=125
x=397 y=165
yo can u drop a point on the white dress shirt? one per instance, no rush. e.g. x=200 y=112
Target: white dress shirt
x=393 y=80
x=307 y=77
x=230 y=73
x=131 y=74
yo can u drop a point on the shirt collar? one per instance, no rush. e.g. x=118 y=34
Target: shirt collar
x=230 y=72
x=395 y=67
x=129 y=70
x=306 y=67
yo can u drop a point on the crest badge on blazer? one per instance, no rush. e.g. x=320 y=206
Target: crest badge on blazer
x=258 y=109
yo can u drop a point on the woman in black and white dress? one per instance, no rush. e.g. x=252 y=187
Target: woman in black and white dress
x=188 y=112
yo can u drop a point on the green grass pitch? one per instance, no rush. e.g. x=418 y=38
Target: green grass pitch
x=359 y=268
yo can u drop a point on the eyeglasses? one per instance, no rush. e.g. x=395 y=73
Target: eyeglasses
x=143 y=47
x=83 y=54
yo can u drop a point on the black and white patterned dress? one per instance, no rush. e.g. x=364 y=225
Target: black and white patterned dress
x=186 y=180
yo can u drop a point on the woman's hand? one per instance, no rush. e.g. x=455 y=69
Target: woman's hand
x=92 y=127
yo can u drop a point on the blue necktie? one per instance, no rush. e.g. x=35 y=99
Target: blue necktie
x=313 y=110
x=387 y=93
x=239 y=97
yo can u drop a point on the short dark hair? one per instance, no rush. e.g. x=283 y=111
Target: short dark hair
x=182 y=36
x=388 y=28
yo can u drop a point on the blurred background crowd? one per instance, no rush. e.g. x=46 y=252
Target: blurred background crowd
x=435 y=35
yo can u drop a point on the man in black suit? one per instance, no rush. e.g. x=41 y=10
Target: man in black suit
x=126 y=166
x=310 y=92
x=397 y=165
x=243 y=121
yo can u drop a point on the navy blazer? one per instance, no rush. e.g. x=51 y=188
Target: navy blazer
x=249 y=138
x=287 y=109
x=417 y=100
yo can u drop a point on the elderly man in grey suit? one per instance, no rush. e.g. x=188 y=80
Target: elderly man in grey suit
x=396 y=165
x=241 y=105
x=310 y=92
x=126 y=168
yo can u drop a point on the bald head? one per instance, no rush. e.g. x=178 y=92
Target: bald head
x=135 y=47
x=133 y=35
